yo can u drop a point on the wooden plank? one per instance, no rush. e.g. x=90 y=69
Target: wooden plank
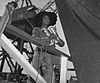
x=13 y=52
x=19 y=33
x=23 y=35
x=63 y=70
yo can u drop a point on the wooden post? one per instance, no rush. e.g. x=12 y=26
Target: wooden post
x=13 y=52
x=63 y=70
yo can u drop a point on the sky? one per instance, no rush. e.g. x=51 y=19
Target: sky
x=40 y=4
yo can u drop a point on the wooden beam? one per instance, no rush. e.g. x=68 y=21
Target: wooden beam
x=23 y=35
x=63 y=70
x=19 y=33
x=13 y=52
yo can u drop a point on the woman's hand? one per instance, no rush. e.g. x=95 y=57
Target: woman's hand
x=61 y=43
x=52 y=36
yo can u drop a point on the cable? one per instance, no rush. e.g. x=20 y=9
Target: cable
x=39 y=52
x=28 y=21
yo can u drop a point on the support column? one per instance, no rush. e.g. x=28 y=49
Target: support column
x=63 y=71
x=13 y=52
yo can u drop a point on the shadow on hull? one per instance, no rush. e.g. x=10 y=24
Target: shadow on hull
x=80 y=20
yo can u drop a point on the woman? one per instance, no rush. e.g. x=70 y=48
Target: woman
x=41 y=59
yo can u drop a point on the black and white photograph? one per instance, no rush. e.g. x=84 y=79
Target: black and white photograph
x=49 y=41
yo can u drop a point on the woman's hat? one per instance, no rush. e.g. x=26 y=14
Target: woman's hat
x=38 y=18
